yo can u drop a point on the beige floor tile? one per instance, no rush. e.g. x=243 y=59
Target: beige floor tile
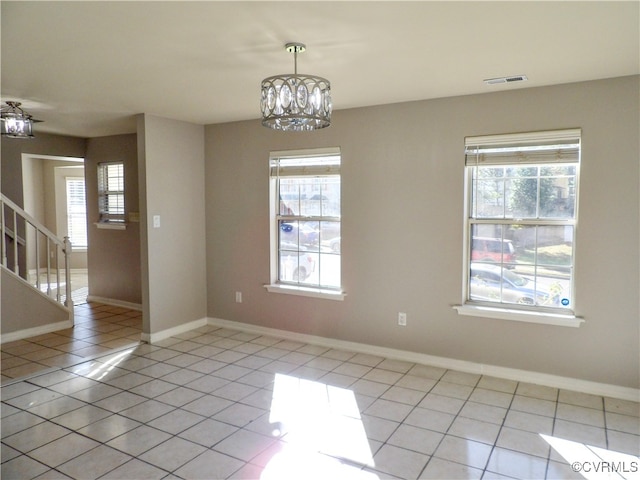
x=438 y=469
x=63 y=449
x=516 y=464
x=94 y=463
x=173 y=453
x=463 y=451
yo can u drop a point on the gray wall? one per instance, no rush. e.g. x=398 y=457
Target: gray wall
x=113 y=256
x=171 y=156
x=402 y=229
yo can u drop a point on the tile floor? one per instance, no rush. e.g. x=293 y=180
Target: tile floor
x=98 y=329
x=217 y=403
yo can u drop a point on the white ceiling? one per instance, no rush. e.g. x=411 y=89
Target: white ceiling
x=86 y=68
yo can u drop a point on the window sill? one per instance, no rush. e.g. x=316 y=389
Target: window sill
x=543 y=318
x=111 y=226
x=306 y=291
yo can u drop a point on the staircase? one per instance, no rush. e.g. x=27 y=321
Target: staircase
x=33 y=304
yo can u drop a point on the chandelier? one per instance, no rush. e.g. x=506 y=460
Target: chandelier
x=15 y=122
x=296 y=103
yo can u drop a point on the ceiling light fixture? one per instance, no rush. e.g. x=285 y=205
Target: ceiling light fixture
x=296 y=103
x=15 y=122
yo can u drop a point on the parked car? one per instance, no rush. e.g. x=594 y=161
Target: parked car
x=296 y=263
x=487 y=249
x=298 y=232
x=333 y=244
x=498 y=284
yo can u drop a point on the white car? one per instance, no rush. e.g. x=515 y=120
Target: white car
x=296 y=263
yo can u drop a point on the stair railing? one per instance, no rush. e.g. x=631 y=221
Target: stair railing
x=21 y=231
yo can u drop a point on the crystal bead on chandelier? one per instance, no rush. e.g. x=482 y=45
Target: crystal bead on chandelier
x=15 y=122
x=293 y=102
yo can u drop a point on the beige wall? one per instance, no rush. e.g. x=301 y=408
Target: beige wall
x=171 y=156
x=43 y=144
x=402 y=229
x=13 y=150
x=113 y=255
x=24 y=308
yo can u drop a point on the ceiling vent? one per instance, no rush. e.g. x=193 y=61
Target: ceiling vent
x=513 y=78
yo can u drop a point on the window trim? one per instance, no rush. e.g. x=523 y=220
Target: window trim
x=275 y=286
x=528 y=314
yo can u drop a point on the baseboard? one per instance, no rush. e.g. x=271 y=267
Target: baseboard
x=35 y=331
x=115 y=303
x=171 y=332
x=555 y=381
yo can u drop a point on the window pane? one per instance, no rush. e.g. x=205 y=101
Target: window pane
x=489 y=245
x=523 y=197
x=296 y=264
x=321 y=196
x=289 y=197
x=488 y=193
x=115 y=203
x=329 y=270
x=330 y=236
x=557 y=191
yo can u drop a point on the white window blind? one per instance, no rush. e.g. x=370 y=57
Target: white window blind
x=76 y=212
x=111 y=192
x=528 y=148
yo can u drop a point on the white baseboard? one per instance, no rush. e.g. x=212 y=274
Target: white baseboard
x=114 y=302
x=170 y=332
x=555 y=381
x=35 y=331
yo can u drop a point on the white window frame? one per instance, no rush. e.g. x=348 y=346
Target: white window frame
x=531 y=314
x=108 y=218
x=275 y=286
x=76 y=246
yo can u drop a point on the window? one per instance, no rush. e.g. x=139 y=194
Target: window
x=76 y=212
x=305 y=189
x=521 y=217
x=111 y=193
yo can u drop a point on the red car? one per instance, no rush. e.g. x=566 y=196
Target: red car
x=496 y=250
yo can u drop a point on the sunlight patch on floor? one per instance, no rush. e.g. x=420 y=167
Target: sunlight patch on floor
x=595 y=463
x=320 y=421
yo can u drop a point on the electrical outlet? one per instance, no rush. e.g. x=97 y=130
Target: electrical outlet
x=238 y=297
x=402 y=319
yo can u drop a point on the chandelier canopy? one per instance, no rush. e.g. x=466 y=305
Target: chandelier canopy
x=293 y=102
x=15 y=122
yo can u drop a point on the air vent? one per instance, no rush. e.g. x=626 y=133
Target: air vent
x=513 y=78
